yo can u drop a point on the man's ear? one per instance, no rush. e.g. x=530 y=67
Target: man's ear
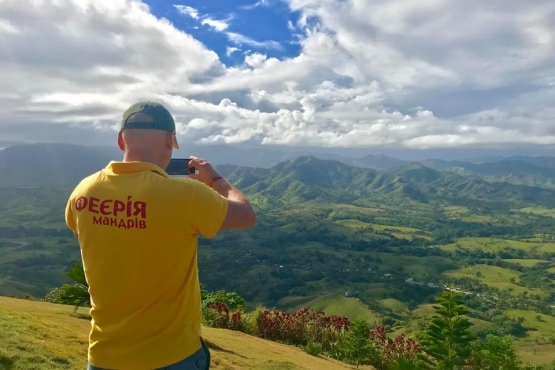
x=121 y=143
x=169 y=141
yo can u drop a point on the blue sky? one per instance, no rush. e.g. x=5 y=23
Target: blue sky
x=327 y=74
x=266 y=22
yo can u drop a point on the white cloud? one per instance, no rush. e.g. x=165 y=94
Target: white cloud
x=7 y=27
x=245 y=40
x=219 y=25
x=187 y=10
x=260 y=3
x=230 y=50
x=407 y=73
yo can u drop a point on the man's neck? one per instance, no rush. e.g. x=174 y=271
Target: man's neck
x=139 y=156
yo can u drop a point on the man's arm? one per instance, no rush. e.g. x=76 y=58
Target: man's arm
x=70 y=222
x=240 y=214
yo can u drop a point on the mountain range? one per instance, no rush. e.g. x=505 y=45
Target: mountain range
x=310 y=174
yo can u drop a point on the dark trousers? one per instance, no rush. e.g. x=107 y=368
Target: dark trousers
x=200 y=360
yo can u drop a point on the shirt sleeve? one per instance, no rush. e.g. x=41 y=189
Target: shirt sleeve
x=208 y=210
x=70 y=220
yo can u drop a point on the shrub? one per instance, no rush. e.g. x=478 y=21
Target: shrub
x=398 y=353
x=232 y=300
x=217 y=315
x=358 y=348
x=313 y=348
x=298 y=327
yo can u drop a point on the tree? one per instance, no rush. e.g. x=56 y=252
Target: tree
x=446 y=340
x=494 y=353
x=76 y=294
x=232 y=300
x=358 y=348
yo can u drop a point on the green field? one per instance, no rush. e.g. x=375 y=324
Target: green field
x=46 y=336
x=464 y=214
x=495 y=277
x=354 y=224
x=496 y=245
x=539 y=211
x=338 y=304
x=420 y=268
x=525 y=262
x=537 y=322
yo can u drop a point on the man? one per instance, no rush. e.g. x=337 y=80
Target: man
x=138 y=230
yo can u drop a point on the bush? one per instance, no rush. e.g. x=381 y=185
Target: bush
x=76 y=295
x=217 y=315
x=398 y=353
x=298 y=327
x=314 y=348
x=232 y=300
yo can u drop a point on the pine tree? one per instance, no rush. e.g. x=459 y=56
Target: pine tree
x=358 y=348
x=447 y=338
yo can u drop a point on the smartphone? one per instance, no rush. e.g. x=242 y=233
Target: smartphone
x=179 y=167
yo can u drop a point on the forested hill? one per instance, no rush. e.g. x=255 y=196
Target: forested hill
x=309 y=178
x=64 y=165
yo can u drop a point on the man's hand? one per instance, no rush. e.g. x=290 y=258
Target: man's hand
x=206 y=173
x=240 y=214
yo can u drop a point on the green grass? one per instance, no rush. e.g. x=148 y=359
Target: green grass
x=353 y=224
x=495 y=245
x=395 y=306
x=338 y=304
x=45 y=336
x=539 y=211
x=525 y=262
x=479 y=219
x=463 y=214
x=455 y=211
x=30 y=342
x=421 y=268
x=495 y=277
x=544 y=324
x=395 y=228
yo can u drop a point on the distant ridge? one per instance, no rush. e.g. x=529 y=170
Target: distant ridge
x=66 y=164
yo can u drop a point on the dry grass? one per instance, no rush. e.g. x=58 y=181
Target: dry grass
x=37 y=335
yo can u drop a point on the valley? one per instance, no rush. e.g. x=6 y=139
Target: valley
x=365 y=243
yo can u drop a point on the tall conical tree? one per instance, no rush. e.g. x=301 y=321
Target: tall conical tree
x=358 y=348
x=77 y=294
x=447 y=339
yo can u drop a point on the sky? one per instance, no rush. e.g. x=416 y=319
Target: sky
x=414 y=74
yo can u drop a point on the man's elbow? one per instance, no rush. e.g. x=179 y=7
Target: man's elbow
x=239 y=217
x=250 y=220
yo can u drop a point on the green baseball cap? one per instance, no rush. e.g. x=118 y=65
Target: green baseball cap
x=149 y=115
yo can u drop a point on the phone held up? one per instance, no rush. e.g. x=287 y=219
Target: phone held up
x=179 y=167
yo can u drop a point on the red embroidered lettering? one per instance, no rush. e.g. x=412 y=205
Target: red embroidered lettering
x=93 y=204
x=104 y=206
x=130 y=224
x=129 y=206
x=113 y=221
x=142 y=224
x=118 y=207
x=97 y=221
x=81 y=203
x=106 y=221
x=140 y=208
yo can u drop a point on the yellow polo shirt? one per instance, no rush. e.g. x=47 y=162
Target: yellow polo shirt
x=138 y=230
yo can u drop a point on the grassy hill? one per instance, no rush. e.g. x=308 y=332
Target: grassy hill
x=38 y=335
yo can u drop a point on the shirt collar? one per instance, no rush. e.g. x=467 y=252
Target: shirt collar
x=126 y=168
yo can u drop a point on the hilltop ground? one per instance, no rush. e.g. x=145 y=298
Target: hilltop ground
x=42 y=335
